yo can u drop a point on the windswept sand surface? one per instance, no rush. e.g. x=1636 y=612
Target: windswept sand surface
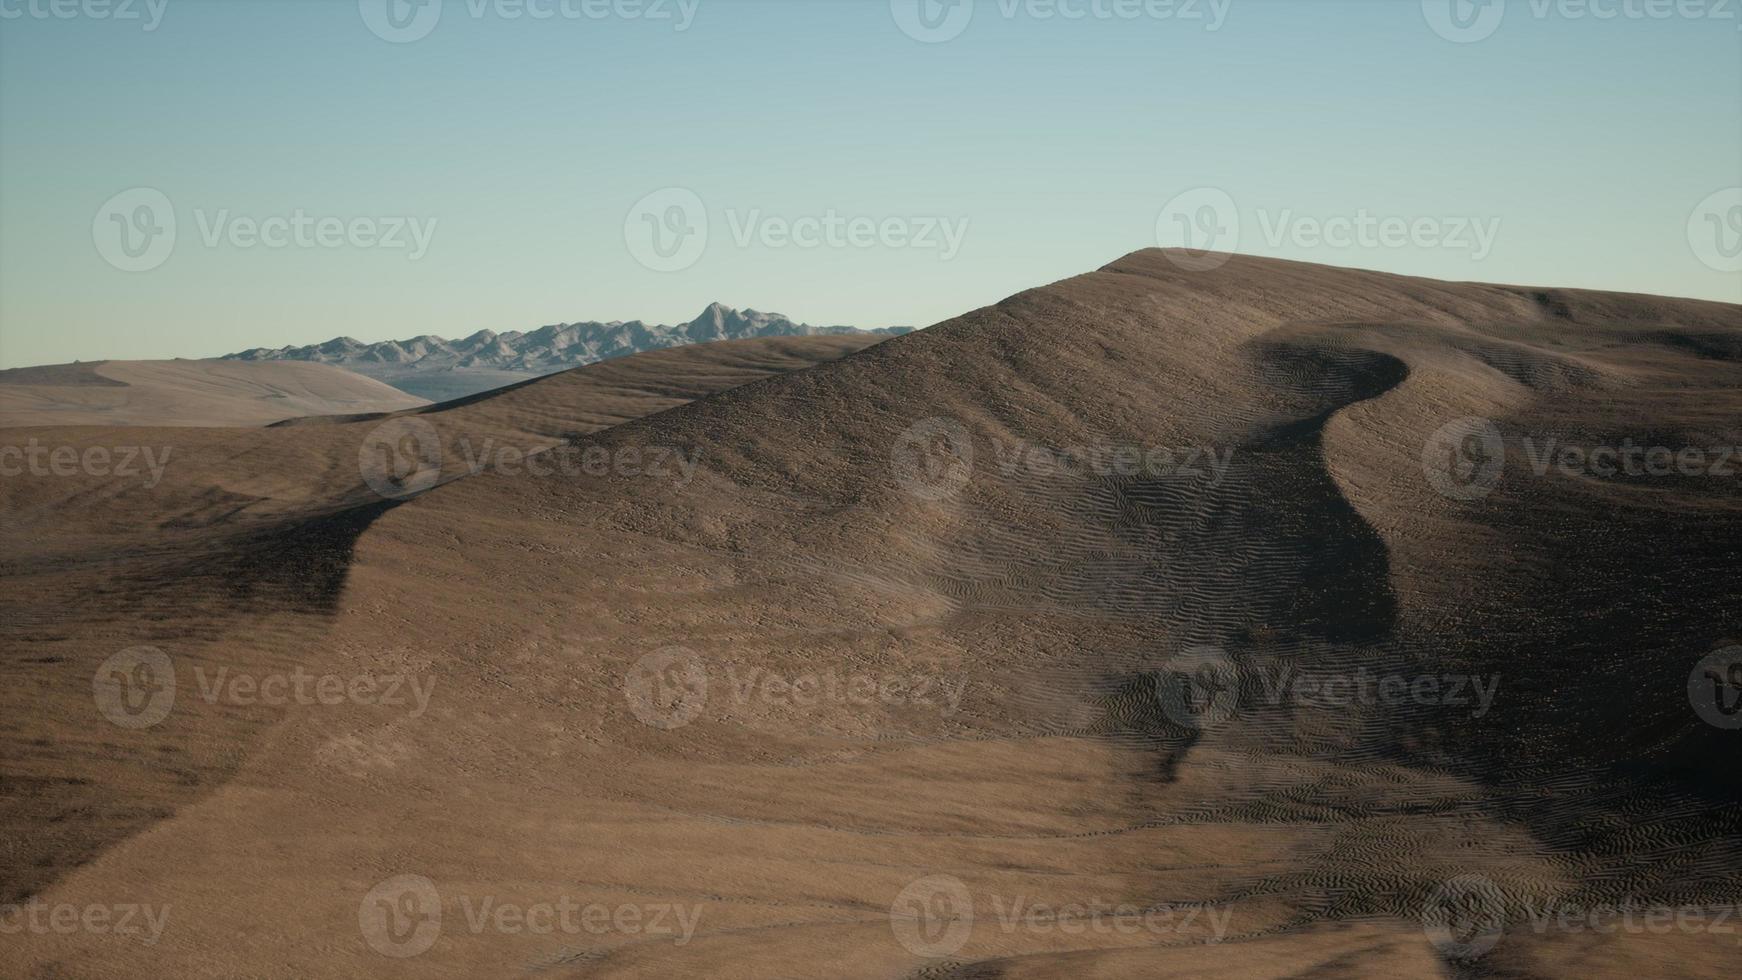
x=162 y=393
x=879 y=686
x=239 y=538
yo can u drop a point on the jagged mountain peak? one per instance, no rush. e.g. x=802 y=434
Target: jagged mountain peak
x=487 y=359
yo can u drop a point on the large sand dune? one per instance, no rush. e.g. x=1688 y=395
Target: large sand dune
x=160 y=393
x=236 y=533
x=1036 y=680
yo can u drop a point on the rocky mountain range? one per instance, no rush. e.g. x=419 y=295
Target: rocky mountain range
x=439 y=369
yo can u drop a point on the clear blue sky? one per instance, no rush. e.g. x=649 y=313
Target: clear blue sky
x=1593 y=142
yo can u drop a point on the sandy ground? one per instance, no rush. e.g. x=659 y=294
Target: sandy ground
x=160 y=393
x=898 y=666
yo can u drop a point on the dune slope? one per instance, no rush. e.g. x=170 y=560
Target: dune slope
x=236 y=540
x=986 y=652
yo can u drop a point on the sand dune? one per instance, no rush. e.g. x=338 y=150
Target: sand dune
x=160 y=393
x=238 y=533
x=1045 y=576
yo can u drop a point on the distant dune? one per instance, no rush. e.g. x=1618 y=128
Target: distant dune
x=891 y=662
x=209 y=392
x=221 y=486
